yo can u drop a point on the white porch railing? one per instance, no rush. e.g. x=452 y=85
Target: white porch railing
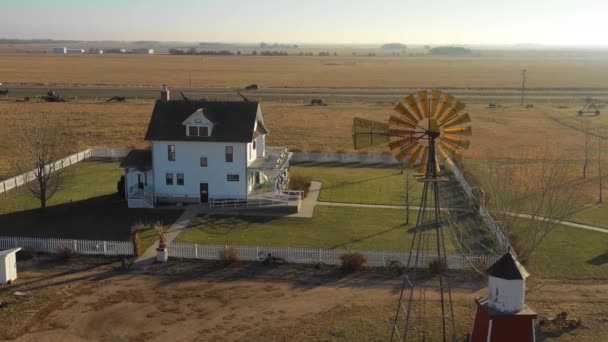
x=319 y=255
x=52 y=245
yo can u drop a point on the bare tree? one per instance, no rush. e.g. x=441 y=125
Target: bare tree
x=41 y=141
x=531 y=197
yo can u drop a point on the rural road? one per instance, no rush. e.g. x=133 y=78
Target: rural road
x=306 y=94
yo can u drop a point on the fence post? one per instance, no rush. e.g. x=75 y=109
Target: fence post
x=196 y=250
x=105 y=247
x=75 y=246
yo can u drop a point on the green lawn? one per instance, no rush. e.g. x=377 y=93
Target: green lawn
x=355 y=184
x=82 y=181
x=331 y=227
x=86 y=207
x=572 y=253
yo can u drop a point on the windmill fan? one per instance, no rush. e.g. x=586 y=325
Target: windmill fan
x=423 y=118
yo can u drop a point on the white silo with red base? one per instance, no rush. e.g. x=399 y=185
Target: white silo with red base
x=504 y=315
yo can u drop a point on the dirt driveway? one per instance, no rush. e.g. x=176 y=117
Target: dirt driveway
x=183 y=301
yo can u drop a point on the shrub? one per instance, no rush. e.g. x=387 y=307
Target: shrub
x=137 y=244
x=229 y=256
x=436 y=265
x=64 y=253
x=352 y=262
x=162 y=240
x=299 y=182
x=27 y=253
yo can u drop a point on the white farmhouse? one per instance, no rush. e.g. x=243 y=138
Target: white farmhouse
x=202 y=152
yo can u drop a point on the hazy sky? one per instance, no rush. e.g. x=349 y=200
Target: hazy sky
x=551 y=22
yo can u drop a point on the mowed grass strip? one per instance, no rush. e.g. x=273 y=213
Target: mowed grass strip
x=331 y=227
x=357 y=183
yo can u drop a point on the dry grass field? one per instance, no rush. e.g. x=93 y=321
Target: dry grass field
x=589 y=71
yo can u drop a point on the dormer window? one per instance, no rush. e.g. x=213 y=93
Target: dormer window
x=198 y=131
x=198 y=125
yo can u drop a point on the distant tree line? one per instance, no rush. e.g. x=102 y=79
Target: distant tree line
x=394 y=46
x=450 y=51
x=193 y=51
x=277 y=46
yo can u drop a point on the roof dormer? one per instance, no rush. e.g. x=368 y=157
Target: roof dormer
x=198 y=125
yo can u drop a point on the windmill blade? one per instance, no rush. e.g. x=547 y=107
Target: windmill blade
x=369 y=133
x=413 y=106
x=437 y=167
x=468 y=131
x=406 y=151
x=400 y=143
x=425 y=160
x=441 y=151
x=444 y=103
x=393 y=120
x=455 y=150
x=405 y=113
x=435 y=95
x=422 y=103
x=458 y=120
x=414 y=158
x=456 y=141
x=452 y=111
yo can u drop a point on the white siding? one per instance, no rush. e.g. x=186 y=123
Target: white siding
x=187 y=161
x=261 y=146
x=506 y=295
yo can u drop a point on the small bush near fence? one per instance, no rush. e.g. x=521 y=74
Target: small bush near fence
x=137 y=244
x=436 y=265
x=299 y=182
x=352 y=262
x=64 y=253
x=229 y=256
x=27 y=253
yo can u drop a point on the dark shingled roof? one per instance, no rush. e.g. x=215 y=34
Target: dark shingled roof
x=233 y=120
x=507 y=268
x=138 y=158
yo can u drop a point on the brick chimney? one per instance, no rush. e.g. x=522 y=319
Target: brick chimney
x=165 y=94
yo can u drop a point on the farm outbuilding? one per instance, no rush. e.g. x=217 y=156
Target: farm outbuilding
x=60 y=50
x=114 y=51
x=75 y=50
x=8 y=265
x=143 y=51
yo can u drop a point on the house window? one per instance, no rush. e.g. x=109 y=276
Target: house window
x=254 y=143
x=229 y=154
x=169 y=178
x=203 y=161
x=180 y=179
x=232 y=178
x=198 y=131
x=171 y=152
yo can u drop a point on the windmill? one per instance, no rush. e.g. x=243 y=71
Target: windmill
x=590 y=108
x=429 y=128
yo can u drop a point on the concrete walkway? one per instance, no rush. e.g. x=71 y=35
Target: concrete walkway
x=307 y=207
x=191 y=212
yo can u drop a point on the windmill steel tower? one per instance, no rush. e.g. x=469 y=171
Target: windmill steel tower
x=428 y=128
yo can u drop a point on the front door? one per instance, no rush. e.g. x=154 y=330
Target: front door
x=204 y=192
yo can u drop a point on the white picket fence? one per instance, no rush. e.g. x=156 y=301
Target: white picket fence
x=318 y=255
x=51 y=245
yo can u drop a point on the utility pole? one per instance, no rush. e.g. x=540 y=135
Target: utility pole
x=523 y=86
x=599 y=164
